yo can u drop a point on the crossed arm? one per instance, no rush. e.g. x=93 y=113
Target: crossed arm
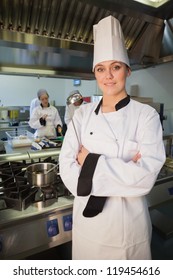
x=84 y=152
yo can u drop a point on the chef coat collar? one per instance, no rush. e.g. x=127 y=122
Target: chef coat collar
x=122 y=103
x=47 y=106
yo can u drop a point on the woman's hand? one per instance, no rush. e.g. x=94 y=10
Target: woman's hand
x=59 y=129
x=82 y=155
x=43 y=120
x=136 y=157
x=44 y=117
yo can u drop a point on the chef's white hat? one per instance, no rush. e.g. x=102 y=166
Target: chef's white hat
x=109 y=41
x=41 y=92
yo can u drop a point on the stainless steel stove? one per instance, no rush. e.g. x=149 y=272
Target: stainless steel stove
x=160 y=202
x=31 y=219
x=163 y=188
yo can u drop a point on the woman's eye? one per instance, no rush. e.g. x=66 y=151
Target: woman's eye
x=116 y=67
x=99 y=69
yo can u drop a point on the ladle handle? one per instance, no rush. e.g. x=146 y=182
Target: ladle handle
x=75 y=131
x=52 y=168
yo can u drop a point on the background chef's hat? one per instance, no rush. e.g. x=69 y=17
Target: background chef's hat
x=109 y=42
x=41 y=92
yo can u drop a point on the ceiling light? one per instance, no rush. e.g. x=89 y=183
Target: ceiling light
x=21 y=70
x=152 y=3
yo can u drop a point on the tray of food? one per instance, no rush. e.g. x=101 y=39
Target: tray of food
x=20 y=138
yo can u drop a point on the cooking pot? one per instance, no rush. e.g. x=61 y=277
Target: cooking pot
x=41 y=174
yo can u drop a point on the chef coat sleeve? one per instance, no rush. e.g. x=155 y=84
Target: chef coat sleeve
x=34 y=121
x=85 y=179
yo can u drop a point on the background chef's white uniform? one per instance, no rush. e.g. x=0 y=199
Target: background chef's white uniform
x=52 y=120
x=123 y=229
x=34 y=103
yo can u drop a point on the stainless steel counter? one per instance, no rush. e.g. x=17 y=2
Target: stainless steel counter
x=27 y=232
x=8 y=217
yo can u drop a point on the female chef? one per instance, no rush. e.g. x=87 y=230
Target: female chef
x=45 y=117
x=115 y=162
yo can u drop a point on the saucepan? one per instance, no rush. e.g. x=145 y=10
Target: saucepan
x=41 y=174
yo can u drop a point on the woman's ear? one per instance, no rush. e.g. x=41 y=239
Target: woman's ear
x=128 y=71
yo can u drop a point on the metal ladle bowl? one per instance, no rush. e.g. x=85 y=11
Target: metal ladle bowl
x=73 y=98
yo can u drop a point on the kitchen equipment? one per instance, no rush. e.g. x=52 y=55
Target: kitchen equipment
x=41 y=174
x=14 y=114
x=73 y=98
x=3 y=113
x=19 y=138
x=35 y=219
x=53 y=168
x=2 y=147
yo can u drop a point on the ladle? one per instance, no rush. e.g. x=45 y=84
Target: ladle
x=73 y=98
x=52 y=169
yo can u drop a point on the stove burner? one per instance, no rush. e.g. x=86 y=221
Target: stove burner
x=16 y=193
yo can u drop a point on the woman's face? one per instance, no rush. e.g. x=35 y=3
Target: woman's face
x=44 y=99
x=111 y=77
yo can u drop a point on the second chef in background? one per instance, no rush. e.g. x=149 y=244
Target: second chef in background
x=45 y=118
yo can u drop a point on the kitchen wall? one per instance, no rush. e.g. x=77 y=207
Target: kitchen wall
x=20 y=90
x=156 y=82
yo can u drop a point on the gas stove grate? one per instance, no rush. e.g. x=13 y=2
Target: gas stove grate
x=15 y=191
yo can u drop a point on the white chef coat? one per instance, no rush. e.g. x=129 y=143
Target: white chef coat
x=52 y=121
x=123 y=229
x=34 y=103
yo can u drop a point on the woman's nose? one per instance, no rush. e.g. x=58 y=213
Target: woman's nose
x=109 y=74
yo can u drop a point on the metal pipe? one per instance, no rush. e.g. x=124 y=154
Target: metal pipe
x=29 y=155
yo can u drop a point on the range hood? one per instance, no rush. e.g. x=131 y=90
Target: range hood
x=54 y=38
